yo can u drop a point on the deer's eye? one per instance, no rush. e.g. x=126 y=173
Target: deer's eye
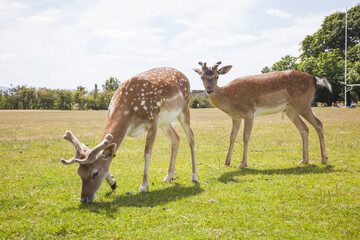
x=95 y=174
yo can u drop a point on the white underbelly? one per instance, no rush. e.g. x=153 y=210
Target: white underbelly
x=165 y=118
x=137 y=130
x=168 y=116
x=270 y=109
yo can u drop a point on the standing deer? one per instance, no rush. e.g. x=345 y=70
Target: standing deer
x=243 y=98
x=146 y=102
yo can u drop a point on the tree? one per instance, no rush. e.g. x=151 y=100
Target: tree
x=28 y=97
x=79 y=97
x=64 y=99
x=46 y=98
x=266 y=69
x=331 y=35
x=200 y=101
x=323 y=54
x=111 y=85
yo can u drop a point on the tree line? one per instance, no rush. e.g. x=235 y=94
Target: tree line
x=23 y=97
x=323 y=55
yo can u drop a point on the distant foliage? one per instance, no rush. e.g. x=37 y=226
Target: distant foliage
x=323 y=55
x=23 y=97
x=200 y=100
x=111 y=84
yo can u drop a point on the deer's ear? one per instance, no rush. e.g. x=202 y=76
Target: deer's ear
x=109 y=151
x=197 y=70
x=224 y=69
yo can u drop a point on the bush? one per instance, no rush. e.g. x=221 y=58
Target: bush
x=200 y=100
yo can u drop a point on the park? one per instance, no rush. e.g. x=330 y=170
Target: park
x=56 y=56
x=273 y=198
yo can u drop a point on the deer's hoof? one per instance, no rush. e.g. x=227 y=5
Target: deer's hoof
x=168 y=179
x=114 y=186
x=143 y=188
x=242 y=166
x=303 y=162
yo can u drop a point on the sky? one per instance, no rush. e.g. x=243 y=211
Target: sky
x=62 y=44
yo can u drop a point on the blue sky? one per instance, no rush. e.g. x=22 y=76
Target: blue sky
x=64 y=44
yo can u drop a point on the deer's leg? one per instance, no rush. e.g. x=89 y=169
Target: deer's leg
x=248 y=124
x=109 y=178
x=150 y=139
x=174 y=138
x=111 y=181
x=234 y=132
x=304 y=132
x=184 y=119
x=317 y=124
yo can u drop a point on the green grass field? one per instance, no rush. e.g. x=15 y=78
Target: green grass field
x=273 y=198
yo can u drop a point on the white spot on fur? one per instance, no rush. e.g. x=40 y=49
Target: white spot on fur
x=136 y=108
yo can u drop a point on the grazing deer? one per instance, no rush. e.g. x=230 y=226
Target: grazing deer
x=243 y=98
x=146 y=102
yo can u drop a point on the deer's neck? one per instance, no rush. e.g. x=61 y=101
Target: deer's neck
x=219 y=98
x=117 y=125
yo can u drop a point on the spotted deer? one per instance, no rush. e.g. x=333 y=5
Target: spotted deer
x=146 y=102
x=244 y=98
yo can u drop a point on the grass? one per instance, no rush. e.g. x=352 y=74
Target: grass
x=273 y=198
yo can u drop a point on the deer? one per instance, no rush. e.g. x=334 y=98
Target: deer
x=290 y=92
x=145 y=102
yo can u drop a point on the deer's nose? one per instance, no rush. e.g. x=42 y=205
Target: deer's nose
x=84 y=199
x=209 y=91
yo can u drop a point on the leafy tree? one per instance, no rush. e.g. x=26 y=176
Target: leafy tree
x=286 y=63
x=323 y=54
x=111 y=84
x=331 y=35
x=103 y=99
x=46 y=98
x=200 y=101
x=28 y=97
x=266 y=69
x=2 y=100
x=22 y=97
x=79 y=97
x=64 y=99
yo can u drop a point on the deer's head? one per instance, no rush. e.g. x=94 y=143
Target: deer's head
x=93 y=164
x=210 y=75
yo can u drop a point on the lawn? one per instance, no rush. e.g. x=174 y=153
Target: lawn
x=273 y=198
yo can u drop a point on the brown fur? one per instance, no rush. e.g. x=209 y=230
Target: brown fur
x=146 y=102
x=243 y=98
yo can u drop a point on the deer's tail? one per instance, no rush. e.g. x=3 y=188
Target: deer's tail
x=323 y=82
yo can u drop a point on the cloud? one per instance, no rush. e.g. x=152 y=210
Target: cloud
x=86 y=42
x=278 y=13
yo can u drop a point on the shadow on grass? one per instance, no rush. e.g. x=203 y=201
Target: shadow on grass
x=142 y=199
x=299 y=170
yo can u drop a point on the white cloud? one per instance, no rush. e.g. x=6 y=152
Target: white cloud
x=9 y=5
x=84 y=43
x=278 y=13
